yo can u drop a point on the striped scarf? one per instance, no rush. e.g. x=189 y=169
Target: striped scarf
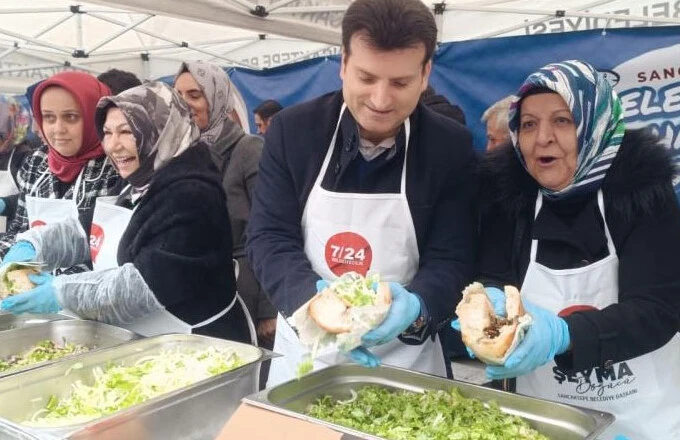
x=597 y=113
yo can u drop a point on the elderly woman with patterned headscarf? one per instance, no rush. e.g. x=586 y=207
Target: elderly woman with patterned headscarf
x=211 y=97
x=581 y=213
x=14 y=124
x=162 y=250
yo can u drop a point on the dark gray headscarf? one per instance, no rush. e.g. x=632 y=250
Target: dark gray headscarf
x=217 y=89
x=160 y=121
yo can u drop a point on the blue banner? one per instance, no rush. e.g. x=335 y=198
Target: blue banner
x=642 y=63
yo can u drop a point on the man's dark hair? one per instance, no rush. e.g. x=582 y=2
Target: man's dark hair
x=119 y=80
x=267 y=109
x=390 y=25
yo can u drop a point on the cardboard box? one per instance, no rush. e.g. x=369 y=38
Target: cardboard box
x=253 y=423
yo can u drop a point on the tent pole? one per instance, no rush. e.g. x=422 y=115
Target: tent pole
x=278 y=5
x=119 y=33
x=40 y=33
x=35 y=41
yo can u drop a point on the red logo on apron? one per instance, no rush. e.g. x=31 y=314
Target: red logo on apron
x=96 y=240
x=37 y=223
x=572 y=309
x=348 y=252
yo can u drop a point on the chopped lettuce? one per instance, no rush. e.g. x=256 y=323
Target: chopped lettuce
x=432 y=415
x=355 y=289
x=120 y=386
x=43 y=351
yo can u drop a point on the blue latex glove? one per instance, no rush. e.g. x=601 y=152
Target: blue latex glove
x=21 y=252
x=547 y=337
x=621 y=437
x=321 y=284
x=404 y=310
x=40 y=299
x=497 y=298
x=3 y=205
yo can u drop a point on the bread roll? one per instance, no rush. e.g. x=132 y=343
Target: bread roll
x=491 y=337
x=16 y=281
x=331 y=312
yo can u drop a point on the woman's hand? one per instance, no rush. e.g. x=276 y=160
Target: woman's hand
x=40 y=299
x=547 y=337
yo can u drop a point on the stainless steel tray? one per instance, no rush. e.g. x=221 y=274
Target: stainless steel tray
x=93 y=335
x=9 y=321
x=556 y=421
x=198 y=411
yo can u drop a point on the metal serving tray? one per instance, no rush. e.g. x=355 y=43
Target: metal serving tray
x=556 y=421
x=91 y=334
x=9 y=321
x=195 y=412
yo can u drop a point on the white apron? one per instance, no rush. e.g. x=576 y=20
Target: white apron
x=643 y=393
x=109 y=222
x=41 y=210
x=108 y=225
x=8 y=187
x=345 y=232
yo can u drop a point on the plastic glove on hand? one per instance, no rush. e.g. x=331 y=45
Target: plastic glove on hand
x=21 y=252
x=547 y=337
x=40 y=299
x=621 y=437
x=362 y=356
x=321 y=285
x=404 y=310
x=497 y=298
x=3 y=206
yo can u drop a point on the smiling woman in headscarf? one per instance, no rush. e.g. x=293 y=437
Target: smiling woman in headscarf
x=171 y=270
x=14 y=123
x=207 y=90
x=581 y=214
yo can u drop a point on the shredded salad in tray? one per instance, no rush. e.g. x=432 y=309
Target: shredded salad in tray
x=431 y=415
x=43 y=351
x=119 y=386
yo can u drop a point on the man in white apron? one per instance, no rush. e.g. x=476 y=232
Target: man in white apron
x=343 y=187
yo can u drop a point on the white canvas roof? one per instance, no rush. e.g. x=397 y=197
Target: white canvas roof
x=151 y=37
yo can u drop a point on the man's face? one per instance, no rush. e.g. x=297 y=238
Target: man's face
x=496 y=135
x=382 y=88
x=261 y=124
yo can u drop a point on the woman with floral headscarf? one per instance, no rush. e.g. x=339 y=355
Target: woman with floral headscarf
x=581 y=214
x=14 y=123
x=167 y=238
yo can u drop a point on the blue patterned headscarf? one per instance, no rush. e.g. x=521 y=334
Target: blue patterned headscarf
x=597 y=113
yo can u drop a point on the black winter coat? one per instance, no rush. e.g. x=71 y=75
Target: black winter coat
x=644 y=219
x=179 y=238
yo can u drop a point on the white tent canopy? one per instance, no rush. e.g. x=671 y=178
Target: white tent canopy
x=151 y=37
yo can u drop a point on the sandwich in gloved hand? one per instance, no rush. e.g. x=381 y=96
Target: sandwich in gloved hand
x=341 y=313
x=14 y=279
x=331 y=308
x=491 y=337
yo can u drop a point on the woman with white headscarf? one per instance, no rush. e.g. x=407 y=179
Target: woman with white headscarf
x=207 y=90
x=172 y=264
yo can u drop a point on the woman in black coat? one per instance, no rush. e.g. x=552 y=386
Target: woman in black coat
x=175 y=272
x=582 y=215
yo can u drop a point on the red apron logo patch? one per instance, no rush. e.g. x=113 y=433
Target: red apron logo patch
x=96 y=240
x=348 y=252
x=37 y=223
